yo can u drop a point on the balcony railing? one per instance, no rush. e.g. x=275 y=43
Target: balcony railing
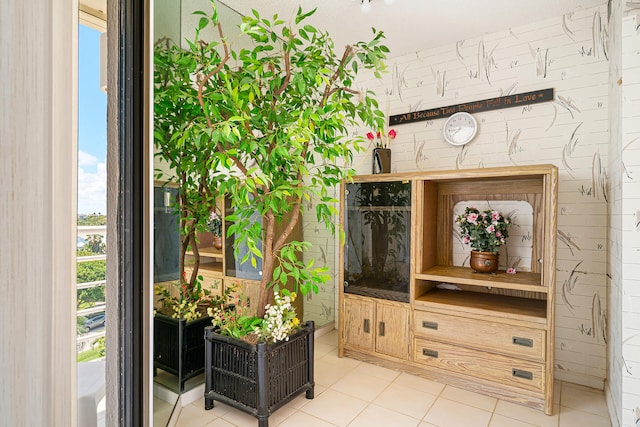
x=84 y=231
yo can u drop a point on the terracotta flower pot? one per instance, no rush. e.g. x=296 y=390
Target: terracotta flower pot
x=217 y=242
x=484 y=262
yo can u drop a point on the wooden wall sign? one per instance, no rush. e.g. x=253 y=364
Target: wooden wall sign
x=518 y=100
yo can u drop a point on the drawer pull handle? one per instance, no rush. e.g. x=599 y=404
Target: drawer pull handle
x=519 y=373
x=525 y=342
x=381 y=328
x=430 y=353
x=366 y=326
x=429 y=325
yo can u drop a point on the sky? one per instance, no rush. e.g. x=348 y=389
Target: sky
x=92 y=126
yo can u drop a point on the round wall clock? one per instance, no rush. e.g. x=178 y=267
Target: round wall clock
x=460 y=128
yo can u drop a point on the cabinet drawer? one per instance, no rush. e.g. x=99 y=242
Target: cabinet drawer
x=503 y=369
x=508 y=339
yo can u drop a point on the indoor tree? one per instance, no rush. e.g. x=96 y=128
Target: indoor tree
x=278 y=117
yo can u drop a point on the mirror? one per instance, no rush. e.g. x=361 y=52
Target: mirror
x=174 y=20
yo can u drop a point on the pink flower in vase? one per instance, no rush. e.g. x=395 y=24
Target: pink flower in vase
x=382 y=139
x=472 y=218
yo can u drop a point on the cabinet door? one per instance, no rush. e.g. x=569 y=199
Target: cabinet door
x=246 y=293
x=392 y=330
x=212 y=283
x=359 y=323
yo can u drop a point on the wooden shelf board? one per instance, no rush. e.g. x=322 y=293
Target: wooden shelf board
x=209 y=252
x=212 y=266
x=522 y=281
x=209 y=268
x=486 y=304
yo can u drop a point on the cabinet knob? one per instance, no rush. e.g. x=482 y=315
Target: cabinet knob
x=365 y=327
x=381 y=328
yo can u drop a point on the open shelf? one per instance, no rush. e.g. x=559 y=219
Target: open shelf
x=523 y=281
x=209 y=252
x=211 y=267
x=485 y=304
x=208 y=268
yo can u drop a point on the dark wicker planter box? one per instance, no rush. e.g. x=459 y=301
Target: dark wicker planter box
x=258 y=378
x=178 y=347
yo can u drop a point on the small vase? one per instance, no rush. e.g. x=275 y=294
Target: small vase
x=381 y=160
x=484 y=262
x=217 y=242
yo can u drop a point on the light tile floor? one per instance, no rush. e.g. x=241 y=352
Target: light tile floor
x=356 y=394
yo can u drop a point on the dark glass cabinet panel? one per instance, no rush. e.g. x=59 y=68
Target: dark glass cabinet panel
x=166 y=235
x=377 y=249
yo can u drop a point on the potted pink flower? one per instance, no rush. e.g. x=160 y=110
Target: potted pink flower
x=485 y=232
x=382 y=152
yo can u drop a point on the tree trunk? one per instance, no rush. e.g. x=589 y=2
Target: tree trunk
x=268 y=264
x=272 y=244
x=379 y=245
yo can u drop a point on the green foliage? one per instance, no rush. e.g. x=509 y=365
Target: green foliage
x=80 y=328
x=280 y=319
x=89 y=355
x=93 y=245
x=182 y=146
x=485 y=231
x=101 y=345
x=91 y=271
x=90 y=297
x=268 y=127
x=93 y=219
x=190 y=303
x=230 y=315
x=98 y=351
x=243 y=326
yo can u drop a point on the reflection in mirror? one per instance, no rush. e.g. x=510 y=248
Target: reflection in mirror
x=166 y=238
x=378 y=227
x=174 y=371
x=175 y=380
x=165 y=270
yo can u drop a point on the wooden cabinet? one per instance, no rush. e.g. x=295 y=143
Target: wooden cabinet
x=491 y=333
x=377 y=326
x=392 y=327
x=210 y=269
x=359 y=317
